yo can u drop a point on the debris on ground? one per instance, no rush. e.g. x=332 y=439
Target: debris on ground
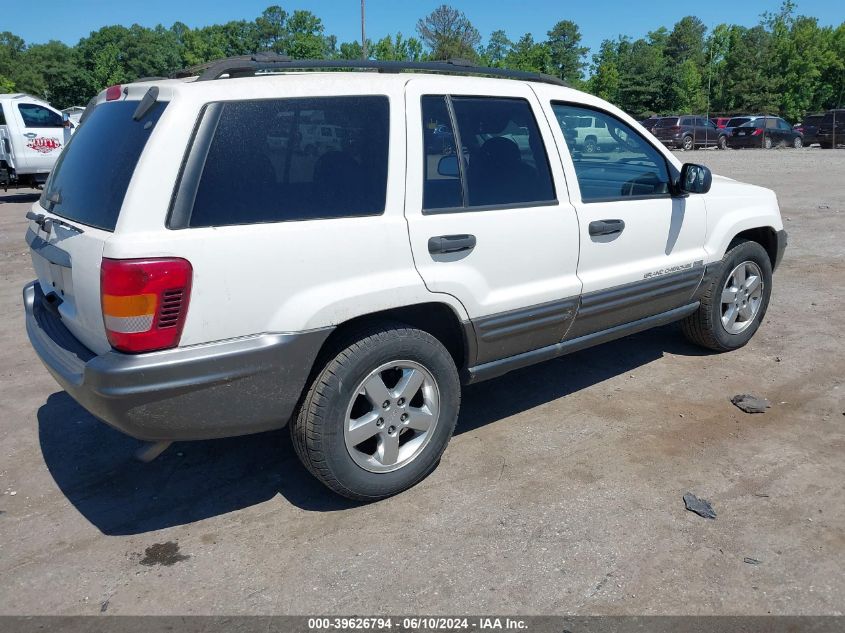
x=751 y=561
x=750 y=403
x=166 y=554
x=701 y=507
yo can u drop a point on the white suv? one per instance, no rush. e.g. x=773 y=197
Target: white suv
x=201 y=275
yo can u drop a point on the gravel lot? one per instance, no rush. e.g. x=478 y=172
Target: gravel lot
x=560 y=493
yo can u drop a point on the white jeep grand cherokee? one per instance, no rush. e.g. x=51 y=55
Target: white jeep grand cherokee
x=206 y=269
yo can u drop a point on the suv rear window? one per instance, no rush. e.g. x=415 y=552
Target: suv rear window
x=828 y=117
x=278 y=160
x=737 y=121
x=89 y=181
x=667 y=122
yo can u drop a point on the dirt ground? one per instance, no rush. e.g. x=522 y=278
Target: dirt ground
x=559 y=494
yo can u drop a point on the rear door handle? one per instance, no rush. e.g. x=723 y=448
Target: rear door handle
x=450 y=243
x=606 y=227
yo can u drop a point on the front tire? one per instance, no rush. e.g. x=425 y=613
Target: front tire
x=735 y=301
x=380 y=412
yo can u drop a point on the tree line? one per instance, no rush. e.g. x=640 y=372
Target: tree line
x=787 y=64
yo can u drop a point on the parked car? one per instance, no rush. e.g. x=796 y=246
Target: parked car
x=831 y=130
x=590 y=134
x=721 y=121
x=218 y=284
x=808 y=128
x=765 y=132
x=32 y=135
x=650 y=122
x=686 y=132
x=732 y=123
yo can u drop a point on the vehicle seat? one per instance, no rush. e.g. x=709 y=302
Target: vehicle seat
x=496 y=174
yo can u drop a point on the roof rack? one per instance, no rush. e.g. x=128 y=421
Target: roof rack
x=250 y=65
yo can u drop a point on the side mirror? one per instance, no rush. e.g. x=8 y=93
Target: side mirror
x=448 y=166
x=695 y=178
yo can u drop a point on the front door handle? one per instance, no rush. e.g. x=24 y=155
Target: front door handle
x=450 y=244
x=606 y=227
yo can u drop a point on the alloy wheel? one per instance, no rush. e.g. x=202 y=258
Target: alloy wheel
x=392 y=416
x=742 y=297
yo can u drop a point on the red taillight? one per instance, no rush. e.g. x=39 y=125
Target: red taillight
x=757 y=131
x=675 y=128
x=145 y=302
x=113 y=92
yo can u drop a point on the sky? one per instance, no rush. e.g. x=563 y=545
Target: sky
x=70 y=20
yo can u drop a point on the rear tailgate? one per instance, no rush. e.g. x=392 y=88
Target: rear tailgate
x=79 y=210
x=67 y=264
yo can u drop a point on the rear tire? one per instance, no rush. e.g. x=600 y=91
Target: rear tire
x=798 y=143
x=722 y=142
x=767 y=142
x=708 y=326
x=367 y=450
x=590 y=146
x=687 y=144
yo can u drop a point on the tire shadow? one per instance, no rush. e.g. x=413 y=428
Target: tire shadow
x=95 y=469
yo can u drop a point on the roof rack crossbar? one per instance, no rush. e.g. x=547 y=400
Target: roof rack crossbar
x=249 y=65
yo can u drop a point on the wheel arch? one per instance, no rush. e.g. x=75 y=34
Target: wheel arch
x=437 y=318
x=765 y=236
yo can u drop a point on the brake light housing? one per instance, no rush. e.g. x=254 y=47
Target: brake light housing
x=757 y=131
x=113 y=92
x=145 y=302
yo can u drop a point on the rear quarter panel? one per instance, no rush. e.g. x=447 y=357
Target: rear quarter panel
x=274 y=277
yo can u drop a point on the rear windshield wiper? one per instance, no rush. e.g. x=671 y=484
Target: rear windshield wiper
x=146 y=104
x=46 y=224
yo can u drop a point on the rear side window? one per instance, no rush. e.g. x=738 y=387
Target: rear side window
x=502 y=161
x=39 y=116
x=89 y=181
x=289 y=159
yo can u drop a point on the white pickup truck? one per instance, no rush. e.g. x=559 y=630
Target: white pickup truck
x=32 y=135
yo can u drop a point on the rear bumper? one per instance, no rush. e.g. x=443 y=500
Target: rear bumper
x=745 y=141
x=781 y=237
x=221 y=389
x=827 y=137
x=672 y=142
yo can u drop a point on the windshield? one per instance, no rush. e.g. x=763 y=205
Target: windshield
x=90 y=178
